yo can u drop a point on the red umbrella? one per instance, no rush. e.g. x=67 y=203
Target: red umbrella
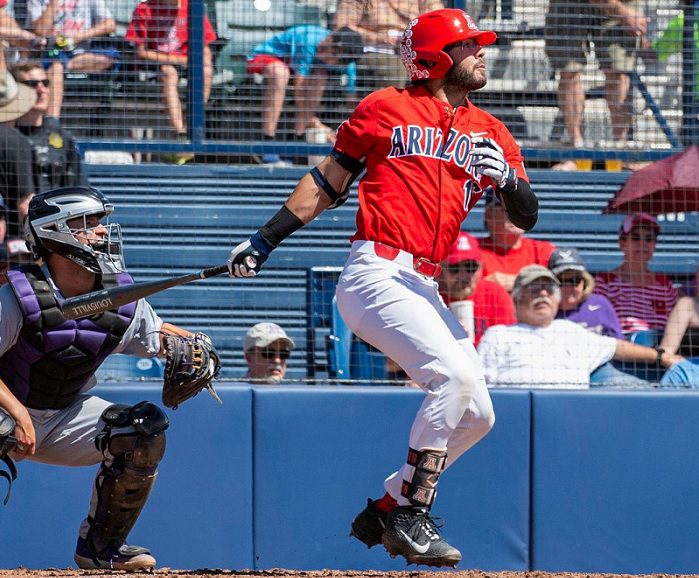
x=667 y=186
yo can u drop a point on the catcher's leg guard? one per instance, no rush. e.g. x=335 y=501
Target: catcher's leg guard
x=428 y=464
x=124 y=482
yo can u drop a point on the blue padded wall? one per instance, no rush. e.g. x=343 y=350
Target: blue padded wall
x=616 y=482
x=320 y=452
x=200 y=510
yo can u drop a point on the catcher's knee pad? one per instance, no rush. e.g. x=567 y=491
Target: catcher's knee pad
x=124 y=485
x=428 y=464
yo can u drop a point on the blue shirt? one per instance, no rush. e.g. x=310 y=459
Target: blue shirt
x=296 y=46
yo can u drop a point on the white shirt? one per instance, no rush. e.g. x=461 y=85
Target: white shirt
x=561 y=355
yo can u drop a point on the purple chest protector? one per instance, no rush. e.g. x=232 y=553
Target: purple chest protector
x=54 y=357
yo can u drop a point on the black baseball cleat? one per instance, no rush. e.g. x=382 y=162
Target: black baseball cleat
x=411 y=533
x=368 y=526
x=128 y=558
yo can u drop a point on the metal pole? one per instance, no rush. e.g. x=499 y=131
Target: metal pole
x=195 y=73
x=690 y=105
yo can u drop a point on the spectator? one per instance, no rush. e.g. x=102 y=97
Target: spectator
x=641 y=298
x=682 y=329
x=16 y=181
x=506 y=250
x=462 y=280
x=307 y=51
x=381 y=24
x=70 y=25
x=682 y=337
x=267 y=348
x=618 y=30
x=578 y=302
x=56 y=158
x=13 y=33
x=542 y=351
x=160 y=30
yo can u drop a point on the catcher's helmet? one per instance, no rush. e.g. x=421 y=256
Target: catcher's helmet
x=46 y=229
x=425 y=37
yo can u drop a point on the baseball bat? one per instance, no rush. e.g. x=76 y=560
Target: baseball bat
x=105 y=299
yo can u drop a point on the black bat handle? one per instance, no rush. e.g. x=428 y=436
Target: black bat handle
x=213 y=271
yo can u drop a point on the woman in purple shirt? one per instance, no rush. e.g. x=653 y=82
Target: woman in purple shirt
x=594 y=312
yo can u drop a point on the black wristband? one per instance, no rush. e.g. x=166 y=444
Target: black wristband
x=279 y=227
x=659 y=351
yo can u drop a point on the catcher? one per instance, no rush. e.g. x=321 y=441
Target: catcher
x=48 y=365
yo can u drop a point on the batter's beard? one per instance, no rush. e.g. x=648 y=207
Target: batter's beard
x=464 y=79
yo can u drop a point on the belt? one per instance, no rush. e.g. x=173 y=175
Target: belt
x=420 y=264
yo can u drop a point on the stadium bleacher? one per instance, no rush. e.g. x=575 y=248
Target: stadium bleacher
x=180 y=221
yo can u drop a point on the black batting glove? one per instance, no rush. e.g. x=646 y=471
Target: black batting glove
x=247 y=259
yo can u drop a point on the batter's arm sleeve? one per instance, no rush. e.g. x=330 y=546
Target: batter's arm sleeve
x=308 y=200
x=521 y=205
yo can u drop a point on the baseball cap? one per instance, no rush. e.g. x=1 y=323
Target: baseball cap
x=264 y=334
x=566 y=260
x=531 y=273
x=16 y=99
x=631 y=221
x=466 y=248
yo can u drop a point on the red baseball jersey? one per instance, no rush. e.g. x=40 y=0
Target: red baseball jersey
x=419 y=185
x=529 y=252
x=163 y=27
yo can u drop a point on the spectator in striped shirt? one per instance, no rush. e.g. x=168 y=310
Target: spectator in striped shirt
x=641 y=298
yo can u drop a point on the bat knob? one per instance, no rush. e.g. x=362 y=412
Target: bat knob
x=250 y=262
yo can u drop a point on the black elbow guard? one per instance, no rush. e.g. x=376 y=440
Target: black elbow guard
x=522 y=206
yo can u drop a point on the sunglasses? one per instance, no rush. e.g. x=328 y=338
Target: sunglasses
x=572 y=281
x=270 y=353
x=34 y=83
x=464 y=267
x=536 y=287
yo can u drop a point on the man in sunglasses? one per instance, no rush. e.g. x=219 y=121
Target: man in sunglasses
x=267 y=348
x=544 y=352
x=56 y=157
x=462 y=280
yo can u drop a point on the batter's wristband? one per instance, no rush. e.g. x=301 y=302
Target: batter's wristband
x=279 y=227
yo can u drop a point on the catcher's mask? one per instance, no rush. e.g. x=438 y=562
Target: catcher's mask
x=46 y=229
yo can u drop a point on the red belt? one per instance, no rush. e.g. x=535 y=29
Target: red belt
x=420 y=264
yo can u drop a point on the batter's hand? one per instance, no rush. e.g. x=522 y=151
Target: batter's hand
x=489 y=160
x=247 y=259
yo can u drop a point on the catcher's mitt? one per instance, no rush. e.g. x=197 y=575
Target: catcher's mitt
x=192 y=363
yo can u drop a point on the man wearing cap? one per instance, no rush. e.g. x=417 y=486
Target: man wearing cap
x=462 y=280
x=542 y=351
x=267 y=348
x=578 y=302
x=506 y=250
x=16 y=179
x=641 y=298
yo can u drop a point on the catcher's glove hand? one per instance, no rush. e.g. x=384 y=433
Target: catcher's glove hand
x=192 y=363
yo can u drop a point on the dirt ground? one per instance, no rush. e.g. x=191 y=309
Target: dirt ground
x=280 y=573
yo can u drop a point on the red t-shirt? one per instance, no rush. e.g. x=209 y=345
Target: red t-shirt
x=163 y=27
x=419 y=185
x=510 y=261
x=492 y=305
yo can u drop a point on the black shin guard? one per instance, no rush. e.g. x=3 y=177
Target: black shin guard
x=428 y=464
x=124 y=486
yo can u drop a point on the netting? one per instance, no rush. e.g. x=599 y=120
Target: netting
x=198 y=138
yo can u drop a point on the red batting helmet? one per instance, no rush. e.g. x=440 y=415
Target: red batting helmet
x=424 y=39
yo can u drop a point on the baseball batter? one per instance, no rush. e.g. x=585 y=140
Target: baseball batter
x=47 y=366
x=429 y=154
